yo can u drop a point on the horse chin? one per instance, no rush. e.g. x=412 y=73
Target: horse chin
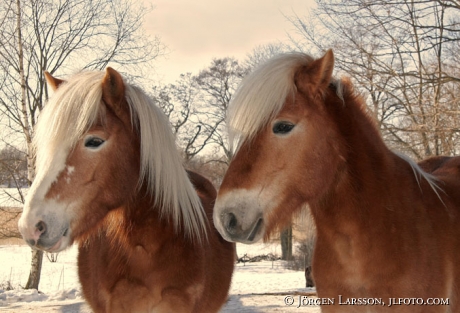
x=61 y=244
x=257 y=232
x=253 y=235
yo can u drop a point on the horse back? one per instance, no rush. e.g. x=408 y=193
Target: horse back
x=432 y=164
x=446 y=173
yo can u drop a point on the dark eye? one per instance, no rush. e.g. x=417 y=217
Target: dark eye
x=93 y=142
x=282 y=127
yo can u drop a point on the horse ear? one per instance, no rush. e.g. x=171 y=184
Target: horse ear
x=53 y=82
x=316 y=76
x=113 y=89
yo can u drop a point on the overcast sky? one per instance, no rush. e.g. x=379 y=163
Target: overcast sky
x=195 y=31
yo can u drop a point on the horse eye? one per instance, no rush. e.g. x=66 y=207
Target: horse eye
x=282 y=128
x=93 y=142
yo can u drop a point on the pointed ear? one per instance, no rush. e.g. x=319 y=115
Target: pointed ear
x=52 y=81
x=113 y=89
x=316 y=76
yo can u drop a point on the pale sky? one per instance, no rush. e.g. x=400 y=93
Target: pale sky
x=197 y=31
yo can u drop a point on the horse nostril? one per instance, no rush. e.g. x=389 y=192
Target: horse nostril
x=41 y=227
x=230 y=222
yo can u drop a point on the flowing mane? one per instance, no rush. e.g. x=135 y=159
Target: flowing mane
x=63 y=123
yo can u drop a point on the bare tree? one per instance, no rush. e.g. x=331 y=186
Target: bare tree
x=196 y=106
x=179 y=102
x=40 y=35
x=206 y=165
x=403 y=55
x=262 y=53
x=13 y=173
x=218 y=83
x=13 y=168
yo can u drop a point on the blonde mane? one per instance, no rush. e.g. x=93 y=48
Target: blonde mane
x=74 y=108
x=262 y=94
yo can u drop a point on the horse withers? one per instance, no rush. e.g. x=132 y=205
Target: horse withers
x=109 y=177
x=387 y=228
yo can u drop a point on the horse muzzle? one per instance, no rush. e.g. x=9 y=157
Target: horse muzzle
x=238 y=216
x=235 y=229
x=43 y=233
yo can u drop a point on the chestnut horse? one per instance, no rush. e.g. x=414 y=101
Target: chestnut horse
x=109 y=177
x=386 y=229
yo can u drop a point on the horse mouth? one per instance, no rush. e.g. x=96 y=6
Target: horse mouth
x=56 y=247
x=62 y=243
x=255 y=230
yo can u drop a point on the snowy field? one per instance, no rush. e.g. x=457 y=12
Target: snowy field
x=257 y=287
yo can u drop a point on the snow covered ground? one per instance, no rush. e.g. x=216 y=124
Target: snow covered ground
x=257 y=287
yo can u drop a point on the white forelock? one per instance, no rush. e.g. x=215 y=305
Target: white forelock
x=262 y=94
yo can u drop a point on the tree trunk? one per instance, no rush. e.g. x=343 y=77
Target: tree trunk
x=286 y=244
x=35 y=271
x=37 y=256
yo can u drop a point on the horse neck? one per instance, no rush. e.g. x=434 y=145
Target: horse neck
x=370 y=169
x=135 y=241
x=138 y=223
